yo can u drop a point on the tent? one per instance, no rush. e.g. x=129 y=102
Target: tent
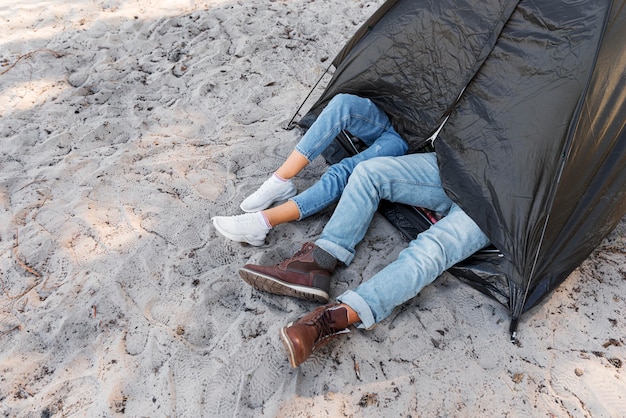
x=533 y=148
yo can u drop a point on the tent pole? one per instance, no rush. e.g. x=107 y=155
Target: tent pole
x=513 y=329
x=290 y=125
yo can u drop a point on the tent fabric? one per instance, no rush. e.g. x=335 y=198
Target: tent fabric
x=552 y=184
x=414 y=60
x=534 y=146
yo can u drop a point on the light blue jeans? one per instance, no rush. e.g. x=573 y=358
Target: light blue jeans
x=413 y=180
x=361 y=118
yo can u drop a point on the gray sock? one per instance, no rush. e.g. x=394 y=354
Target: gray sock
x=324 y=259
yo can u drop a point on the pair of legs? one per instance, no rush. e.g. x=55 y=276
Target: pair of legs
x=363 y=119
x=354 y=114
x=413 y=180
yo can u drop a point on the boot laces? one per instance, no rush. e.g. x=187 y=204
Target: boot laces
x=324 y=326
x=263 y=189
x=305 y=249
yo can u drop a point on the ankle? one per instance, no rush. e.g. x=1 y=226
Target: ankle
x=324 y=259
x=280 y=178
x=353 y=317
x=262 y=220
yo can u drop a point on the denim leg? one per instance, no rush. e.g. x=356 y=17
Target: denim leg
x=411 y=179
x=449 y=241
x=361 y=118
x=331 y=184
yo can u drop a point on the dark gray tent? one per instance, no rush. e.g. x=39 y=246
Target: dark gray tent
x=534 y=148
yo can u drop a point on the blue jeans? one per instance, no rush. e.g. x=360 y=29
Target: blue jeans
x=361 y=118
x=413 y=180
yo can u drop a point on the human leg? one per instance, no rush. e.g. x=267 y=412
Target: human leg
x=372 y=180
x=329 y=188
x=411 y=179
x=447 y=242
x=444 y=244
x=344 y=112
x=331 y=185
x=294 y=163
x=357 y=115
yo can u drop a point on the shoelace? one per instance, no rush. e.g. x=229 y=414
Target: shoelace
x=240 y=219
x=264 y=188
x=325 y=328
x=305 y=248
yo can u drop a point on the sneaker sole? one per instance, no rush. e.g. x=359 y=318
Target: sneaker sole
x=283 y=196
x=288 y=346
x=272 y=285
x=240 y=238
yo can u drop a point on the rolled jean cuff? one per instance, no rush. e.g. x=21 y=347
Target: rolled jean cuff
x=299 y=206
x=305 y=153
x=335 y=250
x=358 y=304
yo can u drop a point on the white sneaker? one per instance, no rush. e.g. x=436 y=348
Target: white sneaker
x=272 y=190
x=242 y=228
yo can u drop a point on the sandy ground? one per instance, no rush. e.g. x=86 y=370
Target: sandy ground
x=126 y=125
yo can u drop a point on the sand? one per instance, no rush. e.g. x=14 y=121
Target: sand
x=126 y=125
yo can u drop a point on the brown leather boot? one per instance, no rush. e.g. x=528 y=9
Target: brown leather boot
x=306 y=275
x=312 y=331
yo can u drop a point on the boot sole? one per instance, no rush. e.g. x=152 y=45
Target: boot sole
x=288 y=346
x=278 y=287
